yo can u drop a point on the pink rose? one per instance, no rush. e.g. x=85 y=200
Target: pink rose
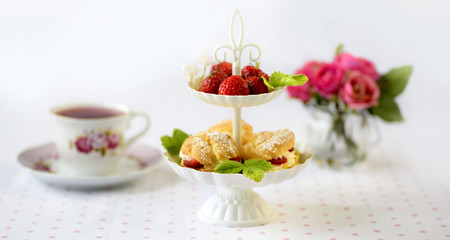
x=98 y=140
x=359 y=91
x=349 y=62
x=327 y=80
x=304 y=92
x=113 y=140
x=84 y=144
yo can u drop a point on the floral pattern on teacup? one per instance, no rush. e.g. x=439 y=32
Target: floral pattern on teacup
x=98 y=140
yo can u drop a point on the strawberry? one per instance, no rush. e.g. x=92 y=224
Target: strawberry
x=225 y=67
x=212 y=83
x=249 y=71
x=234 y=85
x=256 y=85
x=192 y=164
x=278 y=161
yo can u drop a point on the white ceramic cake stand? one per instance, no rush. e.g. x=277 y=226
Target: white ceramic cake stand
x=236 y=204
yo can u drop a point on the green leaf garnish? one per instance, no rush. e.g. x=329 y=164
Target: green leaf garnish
x=394 y=82
x=388 y=109
x=259 y=163
x=173 y=144
x=279 y=79
x=229 y=166
x=253 y=168
x=254 y=173
x=339 y=49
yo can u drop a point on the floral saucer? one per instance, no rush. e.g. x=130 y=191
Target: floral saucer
x=42 y=163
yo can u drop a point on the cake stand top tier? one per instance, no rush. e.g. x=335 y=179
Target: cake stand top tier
x=236 y=48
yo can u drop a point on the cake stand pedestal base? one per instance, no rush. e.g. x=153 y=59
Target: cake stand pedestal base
x=235 y=207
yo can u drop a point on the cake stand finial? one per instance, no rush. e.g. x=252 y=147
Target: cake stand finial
x=236 y=47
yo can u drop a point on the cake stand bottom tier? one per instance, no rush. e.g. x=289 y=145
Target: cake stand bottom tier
x=234 y=207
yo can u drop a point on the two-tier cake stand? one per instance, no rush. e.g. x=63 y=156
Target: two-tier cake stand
x=236 y=205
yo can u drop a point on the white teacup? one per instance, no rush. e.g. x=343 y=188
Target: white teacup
x=90 y=137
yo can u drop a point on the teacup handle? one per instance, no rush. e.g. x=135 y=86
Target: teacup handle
x=134 y=114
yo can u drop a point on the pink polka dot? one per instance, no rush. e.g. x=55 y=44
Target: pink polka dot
x=397 y=225
x=51 y=237
x=355 y=234
x=443 y=226
x=4 y=236
x=262 y=233
x=308 y=233
x=328 y=222
x=351 y=225
x=284 y=230
x=76 y=231
x=330 y=229
x=376 y=230
x=423 y=231
x=306 y=225
x=418 y=222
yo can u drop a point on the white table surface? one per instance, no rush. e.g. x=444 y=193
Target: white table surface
x=54 y=52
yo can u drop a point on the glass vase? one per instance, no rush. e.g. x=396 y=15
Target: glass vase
x=340 y=139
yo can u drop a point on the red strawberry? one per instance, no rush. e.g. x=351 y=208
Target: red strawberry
x=249 y=71
x=256 y=85
x=278 y=161
x=212 y=83
x=192 y=164
x=234 y=85
x=225 y=67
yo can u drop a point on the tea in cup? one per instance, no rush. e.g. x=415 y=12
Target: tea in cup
x=90 y=137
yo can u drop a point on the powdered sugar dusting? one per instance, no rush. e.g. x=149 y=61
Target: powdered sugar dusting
x=204 y=147
x=279 y=137
x=225 y=144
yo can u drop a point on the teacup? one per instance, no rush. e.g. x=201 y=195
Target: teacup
x=90 y=137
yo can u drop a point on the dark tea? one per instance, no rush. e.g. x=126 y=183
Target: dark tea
x=89 y=112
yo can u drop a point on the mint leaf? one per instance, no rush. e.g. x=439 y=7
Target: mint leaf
x=387 y=109
x=279 y=79
x=395 y=81
x=254 y=173
x=339 y=49
x=173 y=144
x=229 y=166
x=259 y=163
x=270 y=87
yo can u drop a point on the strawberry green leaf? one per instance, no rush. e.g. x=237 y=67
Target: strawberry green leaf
x=229 y=167
x=254 y=173
x=259 y=163
x=173 y=144
x=279 y=79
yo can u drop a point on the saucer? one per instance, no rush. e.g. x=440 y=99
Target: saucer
x=42 y=162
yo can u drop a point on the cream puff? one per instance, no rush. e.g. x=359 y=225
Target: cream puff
x=276 y=147
x=204 y=150
x=226 y=126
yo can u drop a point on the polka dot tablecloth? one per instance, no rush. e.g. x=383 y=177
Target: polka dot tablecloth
x=378 y=200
